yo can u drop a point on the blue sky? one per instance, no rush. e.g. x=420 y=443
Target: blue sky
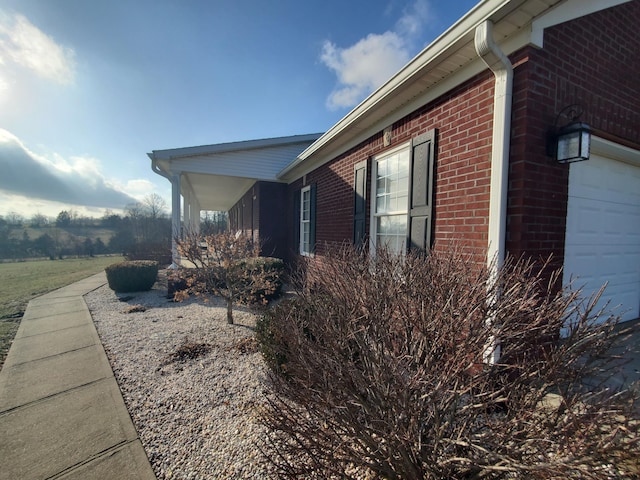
x=87 y=88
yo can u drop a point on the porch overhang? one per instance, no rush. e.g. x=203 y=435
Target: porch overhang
x=216 y=176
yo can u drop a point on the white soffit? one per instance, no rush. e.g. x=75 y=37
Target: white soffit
x=216 y=192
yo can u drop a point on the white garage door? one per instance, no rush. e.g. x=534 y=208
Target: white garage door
x=603 y=232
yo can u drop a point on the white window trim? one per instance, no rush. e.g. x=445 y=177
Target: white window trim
x=373 y=227
x=301 y=249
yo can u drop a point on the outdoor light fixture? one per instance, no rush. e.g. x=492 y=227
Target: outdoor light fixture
x=572 y=142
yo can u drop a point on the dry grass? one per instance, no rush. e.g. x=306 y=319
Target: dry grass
x=23 y=281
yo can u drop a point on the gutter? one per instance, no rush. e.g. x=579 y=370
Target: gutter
x=502 y=69
x=156 y=168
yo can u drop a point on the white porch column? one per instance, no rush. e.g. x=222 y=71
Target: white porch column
x=186 y=211
x=175 y=218
x=195 y=215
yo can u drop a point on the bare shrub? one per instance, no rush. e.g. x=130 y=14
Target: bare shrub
x=377 y=368
x=226 y=265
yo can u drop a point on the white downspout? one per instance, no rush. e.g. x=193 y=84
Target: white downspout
x=175 y=208
x=502 y=69
x=175 y=218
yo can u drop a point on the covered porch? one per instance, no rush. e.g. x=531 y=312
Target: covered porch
x=216 y=177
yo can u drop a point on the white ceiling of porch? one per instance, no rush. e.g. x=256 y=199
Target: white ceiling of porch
x=217 y=192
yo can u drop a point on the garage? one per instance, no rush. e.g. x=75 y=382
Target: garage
x=602 y=243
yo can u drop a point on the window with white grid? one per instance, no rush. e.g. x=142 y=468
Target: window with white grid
x=391 y=199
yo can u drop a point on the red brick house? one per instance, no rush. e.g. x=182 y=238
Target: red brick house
x=459 y=146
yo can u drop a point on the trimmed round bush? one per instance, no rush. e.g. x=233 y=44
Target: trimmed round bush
x=132 y=276
x=269 y=268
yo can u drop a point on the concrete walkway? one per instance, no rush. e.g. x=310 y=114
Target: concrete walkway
x=61 y=412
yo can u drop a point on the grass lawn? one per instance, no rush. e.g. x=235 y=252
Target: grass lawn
x=22 y=281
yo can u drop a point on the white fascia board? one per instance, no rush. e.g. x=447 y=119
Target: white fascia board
x=564 y=12
x=252 y=173
x=261 y=164
x=259 y=160
x=161 y=167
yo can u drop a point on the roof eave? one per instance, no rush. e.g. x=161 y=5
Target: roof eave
x=174 y=153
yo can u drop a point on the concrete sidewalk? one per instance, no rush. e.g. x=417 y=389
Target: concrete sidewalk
x=61 y=411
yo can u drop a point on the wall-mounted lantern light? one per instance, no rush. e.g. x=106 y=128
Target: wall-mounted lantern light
x=572 y=142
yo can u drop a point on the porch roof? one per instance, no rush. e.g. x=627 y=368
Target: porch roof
x=218 y=175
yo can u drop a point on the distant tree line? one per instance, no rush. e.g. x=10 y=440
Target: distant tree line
x=143 y=227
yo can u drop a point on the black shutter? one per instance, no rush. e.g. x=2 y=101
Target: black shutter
x=312 y=218
x=296 y=221
x=421 y=189
x=359 y=203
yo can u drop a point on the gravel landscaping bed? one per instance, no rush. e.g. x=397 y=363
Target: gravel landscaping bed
x=192 y=383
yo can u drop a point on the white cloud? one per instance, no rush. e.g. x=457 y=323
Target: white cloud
x=139 y=188
x=24 y=44
x=366 y=65
x=47 y=184
x=76 y=181
x=413 y=19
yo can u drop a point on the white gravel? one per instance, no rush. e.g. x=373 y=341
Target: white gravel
x=197 y=418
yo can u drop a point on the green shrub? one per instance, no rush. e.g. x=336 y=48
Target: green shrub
x=271 y=270
x=132 y=276
x=270 y=339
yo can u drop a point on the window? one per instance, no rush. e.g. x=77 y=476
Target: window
x=390 y=200
x=402 y=186
x=305 y=221
x=360 y=203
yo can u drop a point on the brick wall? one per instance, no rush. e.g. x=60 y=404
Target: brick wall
x=463 y=118
x=271 y=222
x=258 y=214
x=592 y=61
x=244 y=214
